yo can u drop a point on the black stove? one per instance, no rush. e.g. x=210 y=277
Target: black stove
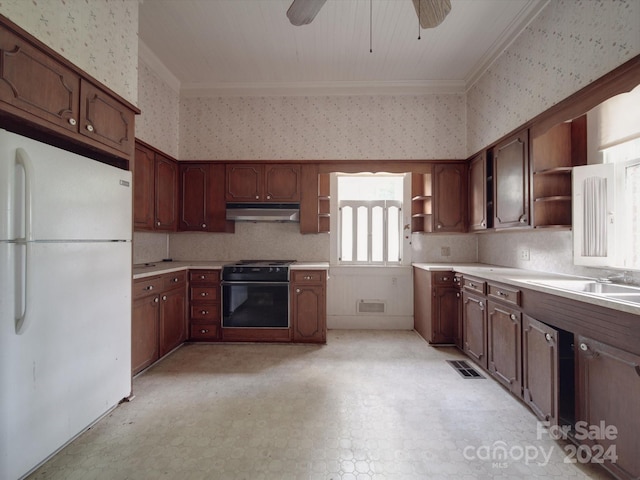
x=257 y=271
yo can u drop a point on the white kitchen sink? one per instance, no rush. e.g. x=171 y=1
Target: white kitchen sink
x=625 y=293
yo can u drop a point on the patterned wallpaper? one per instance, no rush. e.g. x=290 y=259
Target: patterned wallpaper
x=329 y=127
x=570 y=44
x=98 y=36
x=158 y=123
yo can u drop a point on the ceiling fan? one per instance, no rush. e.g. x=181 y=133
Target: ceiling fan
x=431 y=13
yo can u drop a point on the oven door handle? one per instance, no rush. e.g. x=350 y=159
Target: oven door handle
x=231 y=283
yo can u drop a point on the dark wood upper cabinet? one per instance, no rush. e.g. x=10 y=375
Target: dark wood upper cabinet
x=144 y=188
x=478 y=192
x=262 y=183
x=155 y=187
x=40 y=87
x=511 y=195
x=202 y=202
x=450 y=198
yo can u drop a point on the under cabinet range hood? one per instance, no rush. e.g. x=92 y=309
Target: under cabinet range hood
x=263 y=212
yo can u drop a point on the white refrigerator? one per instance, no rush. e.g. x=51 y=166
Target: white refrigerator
x=65 y=297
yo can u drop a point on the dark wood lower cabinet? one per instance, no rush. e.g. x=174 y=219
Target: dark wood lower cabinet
x=504 y=326
x=308 y=300
x=144 y=333
x=436 y=306
x=609 y=405
x=158 y=319
x=540 y=369
x=173 y=325
x=475 y=328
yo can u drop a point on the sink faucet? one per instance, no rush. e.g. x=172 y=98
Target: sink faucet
x=624 y=277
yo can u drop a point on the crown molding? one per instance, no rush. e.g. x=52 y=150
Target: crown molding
x=306 y=89
x=528 y=13
x=146 y=55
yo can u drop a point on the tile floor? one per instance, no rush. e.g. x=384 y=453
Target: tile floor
x=368 y=405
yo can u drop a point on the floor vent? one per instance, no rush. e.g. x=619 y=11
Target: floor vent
x=464 y=369
x=371 y=306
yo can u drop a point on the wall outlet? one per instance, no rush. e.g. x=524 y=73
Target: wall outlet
x=445 y=251
x=525 y=254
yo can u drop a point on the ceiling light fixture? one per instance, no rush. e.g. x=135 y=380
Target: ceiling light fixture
x=302 y=12
x=431 y=13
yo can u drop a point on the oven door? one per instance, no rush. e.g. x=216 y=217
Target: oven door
x=255 y=304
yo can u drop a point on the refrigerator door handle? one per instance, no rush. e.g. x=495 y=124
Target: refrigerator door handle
x=21 y=291
x=23 y=159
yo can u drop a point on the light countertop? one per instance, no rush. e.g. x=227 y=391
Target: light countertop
x=158 y=268
x=525 y=278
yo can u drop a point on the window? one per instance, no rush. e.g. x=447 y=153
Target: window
x=369 y=226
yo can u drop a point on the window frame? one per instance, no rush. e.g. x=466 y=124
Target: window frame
x=404 y=223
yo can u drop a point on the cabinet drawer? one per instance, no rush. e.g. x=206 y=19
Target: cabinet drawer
x=308 y=276
x=173 y=280
x=205 y=294
x=204 y=332
x=205 y=313
x=204 y=276
x=146 y=287
x=474 y=285
x=443 y=278
x=505 y=294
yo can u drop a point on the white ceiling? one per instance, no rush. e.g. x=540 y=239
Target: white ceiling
x=248 y=47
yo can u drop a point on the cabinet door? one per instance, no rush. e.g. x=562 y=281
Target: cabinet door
x=202 y=202
x=194 y=208
x=281 y=183
x=308 y=313
x=166 y=195
x=33 y=82
x=608 y=393
x=511 y=182
x=244 y=183
x=104 y=119
x=475 y=328
x=144 y=333
x=173 y=325
x=450 y=192
x=143 y=188
x=445 y=318
x=478 y=193
x=540 y=369
x=504 y=327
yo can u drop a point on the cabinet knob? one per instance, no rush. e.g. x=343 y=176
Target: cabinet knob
x=204 y=225
x=297 y=290
x=203 y=312
x=481 y=305
x=584 y=347
x=158 y=224
x=72 y=122
x=175 y=280
x=164 y=298
x=204 y=330
x=472 y=285
x=149 y=287
x=522 y=219
x=500 y=293
x=90 y=128
x=483 y=224
x=156 y=300
x=202 y=277
x=445 y=279
x=513 y=316
x=547 y=337
x=308 y=277
x=458 y=295
x=257 y=197
x=439 y=225
x=203 y=294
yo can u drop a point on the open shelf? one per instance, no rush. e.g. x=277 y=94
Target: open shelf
x=324 y=203
x=421 y=203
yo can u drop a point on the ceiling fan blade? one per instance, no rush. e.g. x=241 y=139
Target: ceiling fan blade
x=431 y=13
x=302 y=12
